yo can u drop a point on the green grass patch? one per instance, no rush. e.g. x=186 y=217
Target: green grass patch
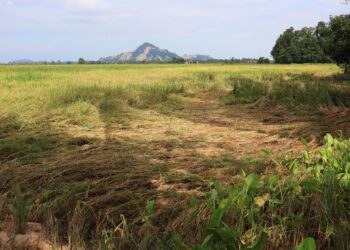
x=246 y=91
x=292 y=93
x=27 y=148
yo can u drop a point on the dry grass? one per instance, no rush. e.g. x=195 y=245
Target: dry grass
x=89 y=145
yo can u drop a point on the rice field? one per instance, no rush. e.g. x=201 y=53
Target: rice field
x=174 y=156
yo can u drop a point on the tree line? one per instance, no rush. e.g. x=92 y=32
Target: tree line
x=325 y=43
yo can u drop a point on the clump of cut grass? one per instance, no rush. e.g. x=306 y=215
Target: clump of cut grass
x=81 y=113
x=246 y=91
x=9 y=124
x=222 y=162
x=26 y=147
x=20 y=207
x=92 y=94
x=158 y=93
x=205 y=76
x=111 y=99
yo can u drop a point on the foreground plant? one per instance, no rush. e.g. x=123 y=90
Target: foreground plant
x=250 y=215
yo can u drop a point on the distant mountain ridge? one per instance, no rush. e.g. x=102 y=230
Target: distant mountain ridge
x=21 y=61
x=148 y=52
x=197 y=57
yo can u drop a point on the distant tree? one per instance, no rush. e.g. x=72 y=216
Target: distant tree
x=308 y=48
x=81 y=61
x=284 y=48
x=178 y=60
x=325 y=43
x=340 y=43
x=263 y=60
x=308 y=45
x=324 y=37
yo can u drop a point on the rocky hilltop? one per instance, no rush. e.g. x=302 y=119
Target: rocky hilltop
x=148 y=52
x=197 y=57
x=145 y=53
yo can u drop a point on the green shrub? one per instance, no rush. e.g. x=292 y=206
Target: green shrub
x=313 y=199
x=308 y=93
x=158 y=93
x=246 y=91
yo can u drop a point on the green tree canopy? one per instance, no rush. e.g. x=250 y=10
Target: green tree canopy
x=325 y=43
x=263 y=60
x=301 y=46
x=81 y=61
x=340 y=43
x=282 y=51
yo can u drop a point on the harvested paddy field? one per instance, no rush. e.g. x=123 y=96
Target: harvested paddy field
x=174 y=156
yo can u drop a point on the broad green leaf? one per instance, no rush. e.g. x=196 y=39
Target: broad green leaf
x=294 y=168
x=198 y=248
x=223 y=203
x=273 y=179
x=251 y=181
x=307 y=244
x=216 y=218
x=251 y=217
x=329 y=140
x=304 y=141
x=329 y=230
x=265 y=152
x=225 y=235
x=311 y=185
x=210 y=184
x=213 y=194
x=344 y=178
x=150 y=206
x=233 y=191
x=48 y=193
x=347 y=168
x=218 y=187
x=194 y=202
x=206 y=240
x=275 y=201
x=259 y=243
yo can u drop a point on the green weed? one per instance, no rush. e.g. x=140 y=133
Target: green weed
x=20 y=207
x=292 y=93
x=246 y=91
x=246 y=215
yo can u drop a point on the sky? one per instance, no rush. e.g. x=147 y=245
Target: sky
x=69 y=29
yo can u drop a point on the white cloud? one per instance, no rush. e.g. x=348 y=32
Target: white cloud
x=92 y=28
x=6 y=2
x=88 y=4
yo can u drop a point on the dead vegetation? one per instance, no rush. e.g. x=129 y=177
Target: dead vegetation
x=85 y=182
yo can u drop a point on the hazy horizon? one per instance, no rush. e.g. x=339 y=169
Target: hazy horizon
x=69 y=29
